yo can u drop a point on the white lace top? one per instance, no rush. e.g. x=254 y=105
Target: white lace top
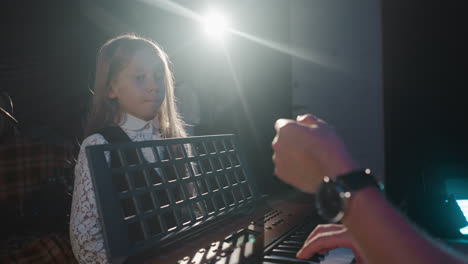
x=85 y=229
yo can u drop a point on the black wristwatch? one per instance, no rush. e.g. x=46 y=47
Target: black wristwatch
x=331 y=199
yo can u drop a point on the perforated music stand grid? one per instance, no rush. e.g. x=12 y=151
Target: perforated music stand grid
x=197 y=179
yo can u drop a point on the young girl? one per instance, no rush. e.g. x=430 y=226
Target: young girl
x=134 y=91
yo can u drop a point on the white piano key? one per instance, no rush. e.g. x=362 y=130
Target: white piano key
x=339 y=256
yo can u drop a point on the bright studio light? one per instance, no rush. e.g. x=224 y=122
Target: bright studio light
x=215 y=24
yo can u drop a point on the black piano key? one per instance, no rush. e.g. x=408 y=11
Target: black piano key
x=292 y=254
x=291 y=251
x=301 y=241
x=317 y=257
x=292 y=242
x=288 y=260
x=294 y=247
x=284 y=252
x=299 y=237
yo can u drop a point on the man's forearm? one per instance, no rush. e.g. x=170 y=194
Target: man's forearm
x=384 y=236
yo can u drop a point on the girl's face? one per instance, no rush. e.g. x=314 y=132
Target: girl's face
x=139 y=87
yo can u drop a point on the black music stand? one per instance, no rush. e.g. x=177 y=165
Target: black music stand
x=198 y=179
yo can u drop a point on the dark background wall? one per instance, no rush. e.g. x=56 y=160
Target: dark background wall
x=425 y=111
x=44 y=63
x=424 y=79
x=340 y=79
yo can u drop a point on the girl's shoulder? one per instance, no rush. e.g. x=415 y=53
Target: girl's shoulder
x=94 y=139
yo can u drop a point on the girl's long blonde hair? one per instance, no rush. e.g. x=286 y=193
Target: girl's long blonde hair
x=112 y=57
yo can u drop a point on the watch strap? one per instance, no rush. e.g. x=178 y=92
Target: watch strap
x=357 y=179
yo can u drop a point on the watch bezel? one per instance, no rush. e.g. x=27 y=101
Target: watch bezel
x=344 y=185
x=342 y=197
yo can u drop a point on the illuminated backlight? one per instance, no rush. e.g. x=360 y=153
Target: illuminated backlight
x=215 y=24
x=464 y=207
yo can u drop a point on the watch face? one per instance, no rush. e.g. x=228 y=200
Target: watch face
x=328 y=201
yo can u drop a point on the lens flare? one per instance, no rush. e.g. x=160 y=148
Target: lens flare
x=215 y=24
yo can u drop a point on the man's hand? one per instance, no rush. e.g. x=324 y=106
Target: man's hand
x=307 y=150
x=328 y=237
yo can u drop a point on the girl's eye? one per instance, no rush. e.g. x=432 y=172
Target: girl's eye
x=140 y=77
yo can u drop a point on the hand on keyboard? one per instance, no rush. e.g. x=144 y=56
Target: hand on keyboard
x=328 y=237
